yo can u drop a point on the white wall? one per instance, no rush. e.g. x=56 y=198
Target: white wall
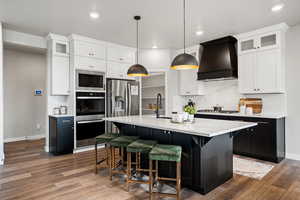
x=1 y=99
x=293 y=93
x=23 y=112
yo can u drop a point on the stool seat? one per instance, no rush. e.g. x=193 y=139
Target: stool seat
x=141 y=146
x=163 y=152
x=106 y=137
x=123 y=141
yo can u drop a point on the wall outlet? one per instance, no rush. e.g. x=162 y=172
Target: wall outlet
x=38 y=126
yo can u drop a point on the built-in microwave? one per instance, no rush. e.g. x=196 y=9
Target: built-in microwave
x=90 y=80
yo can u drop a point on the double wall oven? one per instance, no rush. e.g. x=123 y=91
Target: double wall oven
x=90 y=106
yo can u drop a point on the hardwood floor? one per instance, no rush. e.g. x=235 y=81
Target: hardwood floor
x=30 y=173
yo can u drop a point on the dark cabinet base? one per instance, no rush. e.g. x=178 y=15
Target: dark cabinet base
x=61 y=135
x=266 y=141
x=206 y=162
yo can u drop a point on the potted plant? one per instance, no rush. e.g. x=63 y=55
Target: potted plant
x=190 y=109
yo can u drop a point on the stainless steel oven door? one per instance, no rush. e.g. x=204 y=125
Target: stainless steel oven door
x=90 y=81
x=89 y=129
x=90 y=104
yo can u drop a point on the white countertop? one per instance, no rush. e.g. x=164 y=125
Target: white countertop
x=58 y=116
x=202 y=127
x=262 y=115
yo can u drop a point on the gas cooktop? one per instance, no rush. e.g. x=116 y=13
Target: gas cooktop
x=222 y=111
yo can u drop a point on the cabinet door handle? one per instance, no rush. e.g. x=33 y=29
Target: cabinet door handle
x=91 y=66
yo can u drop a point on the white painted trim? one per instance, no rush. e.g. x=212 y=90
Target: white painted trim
x=88 y=148
x=293 y=156
x=86 y=39
x=2 y=160
x=24 y=39
x=46 y=148
x=1 y=100
x=31 y=137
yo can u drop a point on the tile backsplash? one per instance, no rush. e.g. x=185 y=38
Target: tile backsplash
x=225 y=93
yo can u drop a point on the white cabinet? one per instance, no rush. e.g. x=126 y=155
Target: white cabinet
x=121 y=54
x=89 y=49
x=261 y=64
x=91 y=64
x=60 y=75
x=60 y=48
x=259 y=42
x=118 y=70
x=58 y=61
x=188 y=84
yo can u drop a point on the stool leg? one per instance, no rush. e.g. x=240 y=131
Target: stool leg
x=150 y=179
x=96 y=155
x=178 y=179
x=137 y=163
x=128 y=169
x=111 y=163
x=122 y=158
x=156 y=173
x=107 y=154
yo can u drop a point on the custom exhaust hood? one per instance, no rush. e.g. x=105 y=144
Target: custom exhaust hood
x=219 y=59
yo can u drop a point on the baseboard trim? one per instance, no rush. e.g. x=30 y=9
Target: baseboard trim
x=46 y=148
x=88 y=148
x=31 y=137
x=293 y=156
x=2 y=159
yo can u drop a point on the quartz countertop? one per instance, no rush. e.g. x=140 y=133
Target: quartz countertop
x=261 y=115
x=201 y=127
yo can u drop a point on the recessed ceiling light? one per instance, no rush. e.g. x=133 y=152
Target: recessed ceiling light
x=154 y=47
x=199 y=33
x=277 y=7
x=94 y=15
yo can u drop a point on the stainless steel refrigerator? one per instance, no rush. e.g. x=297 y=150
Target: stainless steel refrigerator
x=122 y=99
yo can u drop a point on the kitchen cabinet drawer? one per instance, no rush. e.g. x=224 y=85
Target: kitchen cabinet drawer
x=92 y=64
x=87 y=49
x=121 y=54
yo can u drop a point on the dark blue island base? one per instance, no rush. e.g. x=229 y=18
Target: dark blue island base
x=206 y=161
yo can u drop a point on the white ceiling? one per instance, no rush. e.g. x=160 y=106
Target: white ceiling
x=161 y=19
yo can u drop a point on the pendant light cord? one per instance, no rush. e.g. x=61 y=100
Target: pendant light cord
x=137 y=41
x=184 y=26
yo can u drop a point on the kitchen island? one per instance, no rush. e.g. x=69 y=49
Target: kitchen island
x=207 y=147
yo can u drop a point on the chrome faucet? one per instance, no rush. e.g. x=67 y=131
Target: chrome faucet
x=158 y=104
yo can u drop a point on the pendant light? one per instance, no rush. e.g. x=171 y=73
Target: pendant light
x=137 y=70
x=184 y=60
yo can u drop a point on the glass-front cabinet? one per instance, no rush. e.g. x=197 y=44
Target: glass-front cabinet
x=259 y=42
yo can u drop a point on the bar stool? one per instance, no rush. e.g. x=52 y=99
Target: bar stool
x=103 y=139
x=166 y=153
x=138 y=147
x=120 y=143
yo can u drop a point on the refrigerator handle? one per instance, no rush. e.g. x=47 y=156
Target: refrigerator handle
x=129 y=99
x=126 y=100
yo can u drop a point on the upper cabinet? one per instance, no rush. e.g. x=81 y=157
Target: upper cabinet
x=89 y=49
x=87 y=54
x=59 y=64
x=264 y=41
x=261 y=61
x=188 y=83
x=117 y=53
x=60 y=47
x=119 y=59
